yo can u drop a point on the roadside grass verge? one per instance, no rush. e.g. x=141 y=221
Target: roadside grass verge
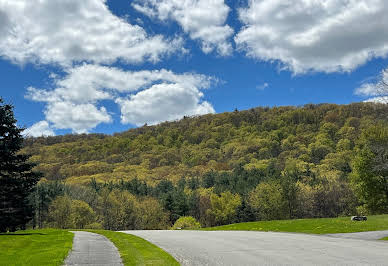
x=385 y=238
x=137 y=251
x=312 y=226
x=35 y=247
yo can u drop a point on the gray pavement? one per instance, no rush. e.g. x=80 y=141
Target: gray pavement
x=369 y=235
x=92 y=250
x=265 y=248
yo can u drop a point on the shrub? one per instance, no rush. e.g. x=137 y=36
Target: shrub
x=94 y=226
x=186 y=222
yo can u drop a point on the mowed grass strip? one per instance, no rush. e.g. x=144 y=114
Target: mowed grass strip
x=312 y=226
x=137 y=251
x=35 y=247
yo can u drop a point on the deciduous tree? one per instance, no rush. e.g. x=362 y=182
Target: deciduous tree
x=267 y=201
x=60 y=213
x=82 y=214
x=224 y=207
x=370 y=175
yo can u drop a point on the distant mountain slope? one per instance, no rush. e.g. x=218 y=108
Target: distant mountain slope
x=316 y=138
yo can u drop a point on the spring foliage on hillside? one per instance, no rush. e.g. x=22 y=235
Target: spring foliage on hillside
x=259 y=164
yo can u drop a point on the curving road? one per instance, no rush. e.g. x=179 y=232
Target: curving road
x=265 y=248
x=369 y=235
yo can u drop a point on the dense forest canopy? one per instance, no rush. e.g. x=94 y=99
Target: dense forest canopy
x=259 y=164
x=314 y=135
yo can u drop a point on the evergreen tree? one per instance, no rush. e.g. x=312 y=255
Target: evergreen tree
x=245 y=212
x=17 y=180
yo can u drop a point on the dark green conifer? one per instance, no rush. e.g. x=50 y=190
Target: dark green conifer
x=17 y=180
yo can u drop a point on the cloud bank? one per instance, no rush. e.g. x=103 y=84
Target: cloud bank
x=63 y=32
x=203 y=20
x=309 y=35
x=143 y=96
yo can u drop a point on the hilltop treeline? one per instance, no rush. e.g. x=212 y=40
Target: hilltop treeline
x=259 y=164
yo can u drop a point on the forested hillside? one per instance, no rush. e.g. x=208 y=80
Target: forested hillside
x=259 y=164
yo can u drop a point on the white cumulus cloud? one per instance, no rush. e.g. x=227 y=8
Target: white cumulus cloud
x=39 y=129
x=79 y=117
x=367 y=89
x=203 y=20
x=163 y=102
x=380 y=99
x=312 y=35
x=67 y=31
x=90 y=83
x=74 y=101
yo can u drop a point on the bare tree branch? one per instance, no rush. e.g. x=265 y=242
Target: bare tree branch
x=382 y=86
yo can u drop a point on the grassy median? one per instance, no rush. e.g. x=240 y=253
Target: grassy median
x=35 y=247
x=312 y=226
x=137 y=251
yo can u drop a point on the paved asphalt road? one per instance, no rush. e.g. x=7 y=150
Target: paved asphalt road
x=92 y=250
x=370 y=235
x=265 y=248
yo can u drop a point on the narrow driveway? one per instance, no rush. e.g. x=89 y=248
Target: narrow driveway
x=265 y=248
x=92 y=250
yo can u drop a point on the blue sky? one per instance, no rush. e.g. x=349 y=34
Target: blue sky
x=106 y=66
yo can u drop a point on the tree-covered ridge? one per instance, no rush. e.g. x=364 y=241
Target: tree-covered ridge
x=316 y=136
x=261 y=164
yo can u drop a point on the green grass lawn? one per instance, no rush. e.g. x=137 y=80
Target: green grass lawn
x=137 y=251
x=35 y=247
x=312 y=226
